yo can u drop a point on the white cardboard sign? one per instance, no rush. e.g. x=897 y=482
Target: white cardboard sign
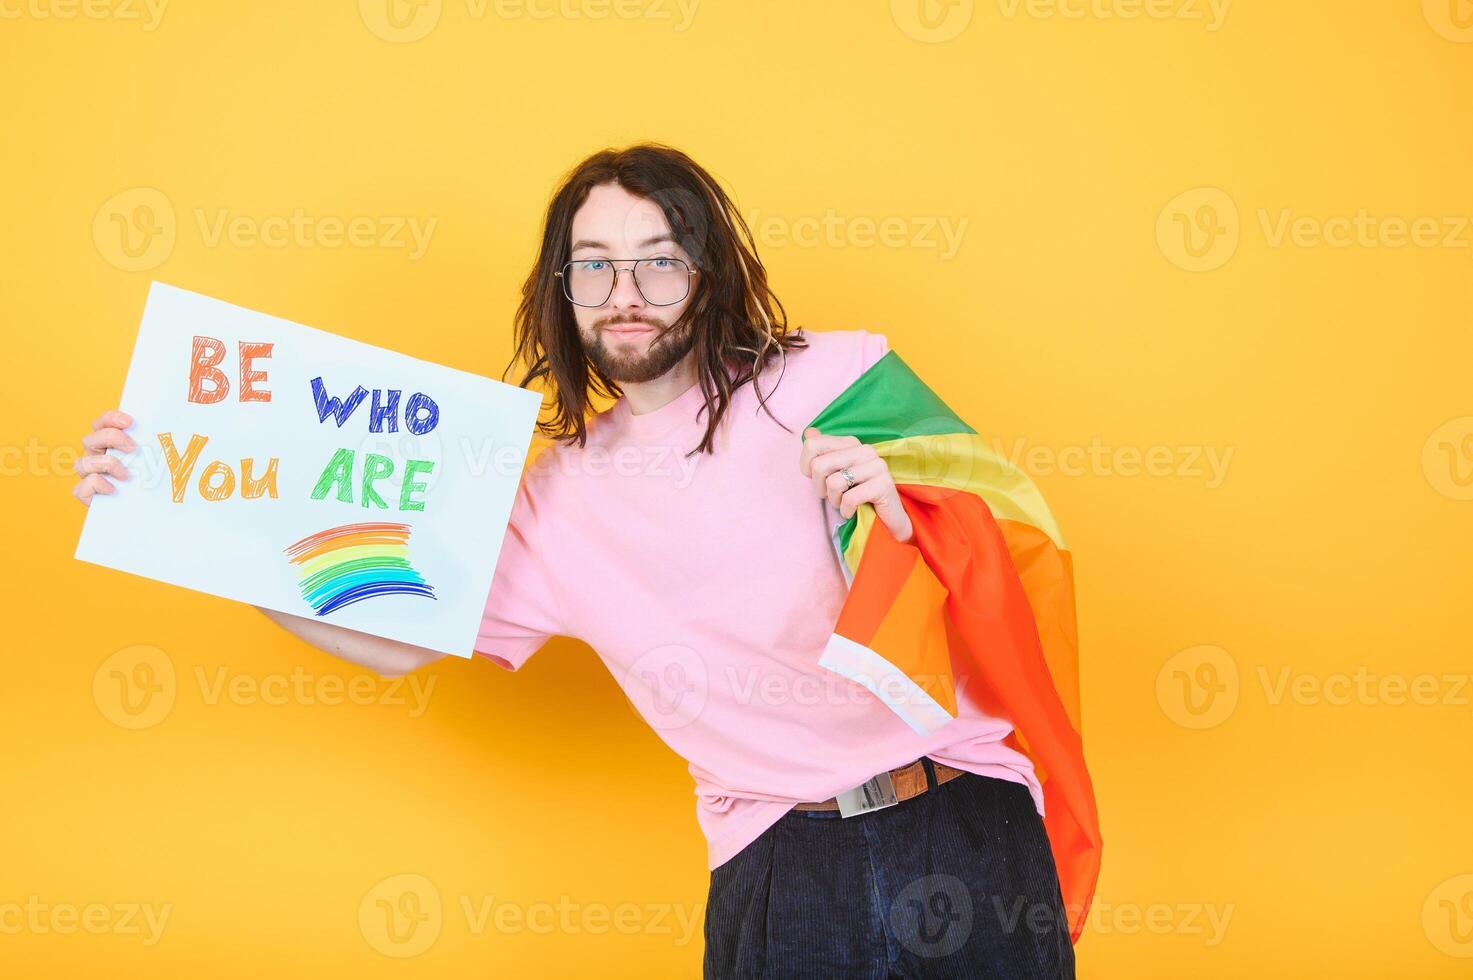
x=305 y=472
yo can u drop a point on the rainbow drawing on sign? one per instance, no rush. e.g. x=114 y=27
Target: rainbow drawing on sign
x=343 y=565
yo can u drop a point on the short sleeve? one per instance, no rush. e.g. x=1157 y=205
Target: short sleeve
x=522 y=610
x=873 y=347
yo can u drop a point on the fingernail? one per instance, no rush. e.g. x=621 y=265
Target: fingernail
x=127 y=419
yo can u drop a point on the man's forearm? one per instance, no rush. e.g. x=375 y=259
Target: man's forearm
x=388 y=658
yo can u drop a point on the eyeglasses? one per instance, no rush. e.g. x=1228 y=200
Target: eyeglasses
x=661 y=282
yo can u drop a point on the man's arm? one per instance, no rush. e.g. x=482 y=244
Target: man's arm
x=387 y=658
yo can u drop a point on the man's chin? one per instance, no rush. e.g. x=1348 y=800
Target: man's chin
x=640 y=359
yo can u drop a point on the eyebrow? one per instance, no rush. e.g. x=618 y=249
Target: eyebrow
x=589 y=243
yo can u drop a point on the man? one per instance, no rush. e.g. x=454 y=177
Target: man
x=682 y=533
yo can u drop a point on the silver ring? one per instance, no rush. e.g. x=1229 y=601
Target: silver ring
x=848 y=478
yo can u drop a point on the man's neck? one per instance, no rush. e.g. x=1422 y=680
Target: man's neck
x=647 y=396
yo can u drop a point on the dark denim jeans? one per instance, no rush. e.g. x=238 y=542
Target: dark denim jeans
x=956 y=882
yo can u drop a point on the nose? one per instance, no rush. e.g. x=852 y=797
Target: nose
x=626 y=294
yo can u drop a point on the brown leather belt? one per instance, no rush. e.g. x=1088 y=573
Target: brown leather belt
x=909 y=781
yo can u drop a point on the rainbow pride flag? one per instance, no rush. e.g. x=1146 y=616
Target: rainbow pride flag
x=347 y=564
x=982 y=595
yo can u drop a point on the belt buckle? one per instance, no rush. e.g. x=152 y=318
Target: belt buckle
x=874 y=793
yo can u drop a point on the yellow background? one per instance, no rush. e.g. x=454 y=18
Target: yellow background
x=1332 y=830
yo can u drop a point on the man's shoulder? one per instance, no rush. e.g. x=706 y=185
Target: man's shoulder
x=841 y=355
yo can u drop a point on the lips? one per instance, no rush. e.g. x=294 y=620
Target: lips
x=629 y=330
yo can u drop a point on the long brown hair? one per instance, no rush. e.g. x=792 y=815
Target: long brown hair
x=738 y=323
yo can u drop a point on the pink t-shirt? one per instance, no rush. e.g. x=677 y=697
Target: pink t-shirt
x=709 y=585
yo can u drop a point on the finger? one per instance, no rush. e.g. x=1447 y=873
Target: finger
x=103 y=463
x=816 y=443
x=872 y=472
x=825 y=464
x=869 y=492
x=92 y=485
x=113 y=417
x=104 y=439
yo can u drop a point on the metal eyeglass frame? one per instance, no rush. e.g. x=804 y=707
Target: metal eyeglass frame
x=567 y=289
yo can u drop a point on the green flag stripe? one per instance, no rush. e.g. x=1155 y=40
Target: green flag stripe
x=887 y=402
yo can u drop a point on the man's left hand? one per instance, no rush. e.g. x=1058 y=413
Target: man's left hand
x=825 y=456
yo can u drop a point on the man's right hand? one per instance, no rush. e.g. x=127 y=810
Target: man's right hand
x=386 y=657
x=95 y=465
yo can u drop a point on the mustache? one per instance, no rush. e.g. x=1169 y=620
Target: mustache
x=621 y=318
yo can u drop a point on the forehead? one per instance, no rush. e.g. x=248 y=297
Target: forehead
x=616 y=217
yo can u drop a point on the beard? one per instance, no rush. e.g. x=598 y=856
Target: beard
x=622 y=363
